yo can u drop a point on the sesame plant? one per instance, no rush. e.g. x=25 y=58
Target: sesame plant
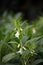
x=21 y=43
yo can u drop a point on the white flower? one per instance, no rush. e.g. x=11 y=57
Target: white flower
x=17 y=34
x=21 y=29
x=33 y=30
x=18 y=45
x=20 y=51
x=24 y=48
x=25 y=62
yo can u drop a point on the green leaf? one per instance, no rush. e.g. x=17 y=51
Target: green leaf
x=24 y=39
x=36 y=62
x=8 y=57
x=34 y=39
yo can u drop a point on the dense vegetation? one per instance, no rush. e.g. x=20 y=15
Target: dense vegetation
x=21 y=43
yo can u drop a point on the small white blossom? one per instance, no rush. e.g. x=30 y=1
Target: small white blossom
x=24 y=48
x=25 y=62
x=18 y=45
x=20 y=51
x=21 y=29
x=17 y=34
x=33 y=30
